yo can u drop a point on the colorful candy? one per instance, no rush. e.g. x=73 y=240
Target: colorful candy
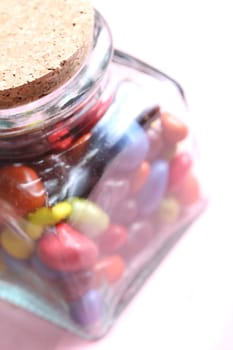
x=140 y=177
x=96 y=206
x=134 y=151
x=89 y=218
x=43 y=270
x=67 y=249
x=88 y=309
x=179 y=168
x=168 y=211
x=22 y=188
x=16 y=246
x=189 y=191
x=151 y=194
x=73 y=285
x=174 y=130
x=112 y=239
x=110 y=269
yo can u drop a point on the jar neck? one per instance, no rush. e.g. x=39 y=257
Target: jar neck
x=27 y=131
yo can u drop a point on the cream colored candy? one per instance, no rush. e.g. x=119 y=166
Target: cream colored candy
x=169 y=210
x=88 y=217
x=16 y=246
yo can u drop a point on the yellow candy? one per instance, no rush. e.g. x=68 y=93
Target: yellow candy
x=34 y=231
x=2 y=265
x=169 y=210
x=61 y=211
x=42 y=216
x=16 y=246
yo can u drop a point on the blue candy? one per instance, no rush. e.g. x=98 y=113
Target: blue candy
x=154 y=190
x=43 y=270
x=15 y=265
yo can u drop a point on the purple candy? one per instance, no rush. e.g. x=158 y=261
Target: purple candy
x=126 y=212
x=87 y=310
x=153 y=191
x=75 y=284
x=110 y=191
x=43 y=270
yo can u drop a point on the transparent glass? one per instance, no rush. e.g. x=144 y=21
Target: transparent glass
x=98 y=180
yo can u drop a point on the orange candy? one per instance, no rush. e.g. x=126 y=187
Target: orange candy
x=174 y=130
x=21 y=187
x=110 y=268
x=189 y=190
x=140 y=177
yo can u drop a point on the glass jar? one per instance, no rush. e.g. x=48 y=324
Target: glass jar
x=97 y=181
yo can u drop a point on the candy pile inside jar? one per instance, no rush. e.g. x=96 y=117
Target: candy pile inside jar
x=82 y=243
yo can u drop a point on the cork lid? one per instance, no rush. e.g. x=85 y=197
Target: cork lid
x=42 y=44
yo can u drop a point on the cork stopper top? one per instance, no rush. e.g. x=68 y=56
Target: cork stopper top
x=42 y=44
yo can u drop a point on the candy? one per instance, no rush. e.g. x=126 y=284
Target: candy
x=66 y=249
x=113 y=238
x=189 y=190
x=126 y=211
x=174 y=130
x=61 y=211
x=156 y=141
x=169 y=152
x=111 y=191
x=134 y=149
x=88 y=217
x=140 y=177
x=42 y=216
x=21 y=187
x=179 y=167
x=2 y=265
x=88 y=309
x=16 y=246
x=78 y=149
x=140 y=234
x=168 y=210
x=43 y=270
x=13 y=264
x=153 y=191
x=34 y=231
x=110 y=268
x=74 y=285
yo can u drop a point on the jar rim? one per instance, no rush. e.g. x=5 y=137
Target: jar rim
x=66 y=97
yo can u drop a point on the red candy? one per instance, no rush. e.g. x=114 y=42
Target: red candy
x=113 y=238
x=67 y=249
x=21 y=187
x=59 y=138
x=78 y=149
x=174 y=130
x=110 y=268
x=189 y=190
x=179 y=167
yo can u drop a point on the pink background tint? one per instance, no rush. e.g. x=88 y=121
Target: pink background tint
x=188 y=302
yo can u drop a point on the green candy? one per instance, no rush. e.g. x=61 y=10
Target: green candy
x=88 y=217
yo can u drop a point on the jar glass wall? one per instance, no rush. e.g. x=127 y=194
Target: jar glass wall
x=97 y=181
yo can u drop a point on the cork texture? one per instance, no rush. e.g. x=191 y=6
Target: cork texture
x=42 y=44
